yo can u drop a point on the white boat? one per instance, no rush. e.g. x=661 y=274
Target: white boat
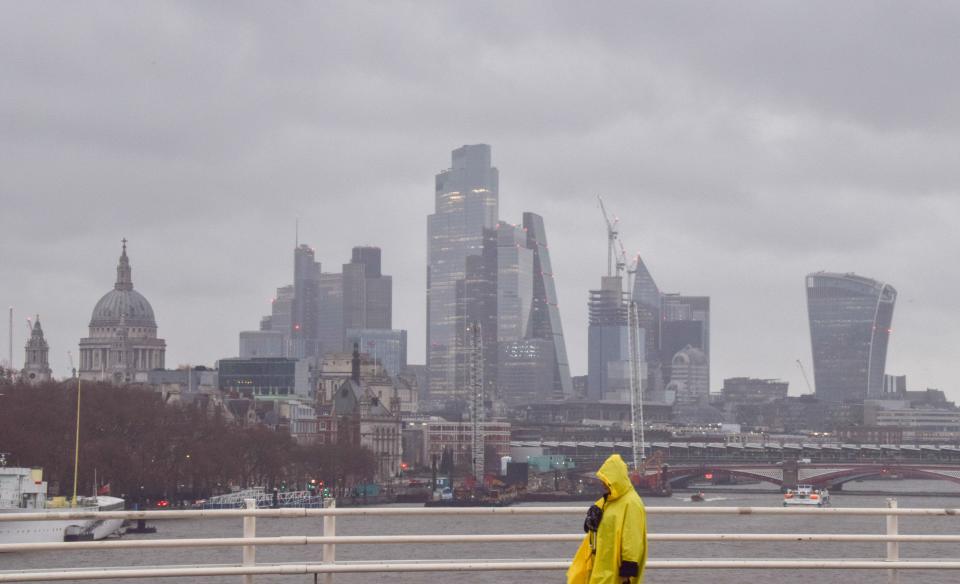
x=806 y=495
x=23 y=490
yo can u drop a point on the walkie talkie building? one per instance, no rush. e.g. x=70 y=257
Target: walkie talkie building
x=850 y=326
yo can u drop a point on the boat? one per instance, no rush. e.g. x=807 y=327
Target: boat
x=806 y=495
x=23 y=490
x=464 y=497
x=697 y=497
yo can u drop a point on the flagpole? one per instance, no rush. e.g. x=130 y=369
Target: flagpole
x=76 y=449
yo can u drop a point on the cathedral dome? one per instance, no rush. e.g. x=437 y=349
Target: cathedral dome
x=129 y=304
x=123 y=304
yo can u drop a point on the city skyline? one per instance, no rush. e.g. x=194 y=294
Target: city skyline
x=732 y=179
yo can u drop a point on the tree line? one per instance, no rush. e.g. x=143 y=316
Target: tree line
x=146 y=449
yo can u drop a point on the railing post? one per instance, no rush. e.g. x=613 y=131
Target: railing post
x=893 y=547
x=329 y=530
x=249 y=530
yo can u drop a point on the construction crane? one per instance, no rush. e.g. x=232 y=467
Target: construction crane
x=477 y=401
x=633 y=334
x=805 y=378
x=636 y=385
x=612 y=235
x=629 y=268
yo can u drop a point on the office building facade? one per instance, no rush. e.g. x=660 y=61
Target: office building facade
x=545 y=312
x=304 y=327
x=850 y=325
x=466 y=203
x=608 y=365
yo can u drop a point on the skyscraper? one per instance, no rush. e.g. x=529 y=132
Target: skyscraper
x=850 y=319
x=477 y=306
x=304 y=328
x=514 y=282
x=545 y=311
x=608 y=365
x=367 y=293
x=685 y=320
x=331 y=329
x=466 y=203
x=647 y=296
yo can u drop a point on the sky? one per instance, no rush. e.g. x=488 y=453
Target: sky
x=742 y=146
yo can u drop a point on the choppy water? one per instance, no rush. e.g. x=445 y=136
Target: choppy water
x=553 y=551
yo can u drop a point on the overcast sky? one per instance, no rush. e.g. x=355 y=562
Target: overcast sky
x=742 y=146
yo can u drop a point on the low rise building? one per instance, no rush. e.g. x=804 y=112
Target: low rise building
x=355 y=415
x=438 y=435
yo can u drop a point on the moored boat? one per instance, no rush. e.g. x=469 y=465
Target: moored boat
x=806 y=495
x=23 y=490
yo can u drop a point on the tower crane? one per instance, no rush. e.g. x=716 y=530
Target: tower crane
x=612 y=235
x=805 y=378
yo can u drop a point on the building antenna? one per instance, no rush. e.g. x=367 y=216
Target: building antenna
x=296 y=233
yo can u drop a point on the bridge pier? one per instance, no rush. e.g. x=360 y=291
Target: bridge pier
x=790 y=475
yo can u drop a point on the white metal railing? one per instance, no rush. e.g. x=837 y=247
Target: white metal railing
x=328 y=566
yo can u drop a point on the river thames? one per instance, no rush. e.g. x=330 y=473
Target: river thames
x=391 y=525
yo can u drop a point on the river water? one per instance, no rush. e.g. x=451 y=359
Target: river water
x=553 y=551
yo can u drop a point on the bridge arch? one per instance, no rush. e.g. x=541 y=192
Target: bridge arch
x=837 y=479
x=772 y=475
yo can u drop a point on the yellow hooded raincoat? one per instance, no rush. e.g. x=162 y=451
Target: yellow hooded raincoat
x=621 y=537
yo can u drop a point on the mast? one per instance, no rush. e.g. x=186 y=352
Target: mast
x=76 y=447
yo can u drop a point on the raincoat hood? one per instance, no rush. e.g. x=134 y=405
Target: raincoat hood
x=613 y=472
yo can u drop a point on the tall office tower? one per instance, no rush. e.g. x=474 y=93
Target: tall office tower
x=331 y=329
x=367 y=293
x=850 y=318
x=545 y=312
x=304 y=328
x=647 y=296
x=466 y=201
x=514 y=283
x=608 y=372
x=476 y=297
x=685 y=320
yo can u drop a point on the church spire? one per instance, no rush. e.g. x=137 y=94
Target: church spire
x=124 y=280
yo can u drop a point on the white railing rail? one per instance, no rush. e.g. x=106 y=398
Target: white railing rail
x=248 y=568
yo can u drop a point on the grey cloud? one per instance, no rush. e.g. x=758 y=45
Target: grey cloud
x=742 y=146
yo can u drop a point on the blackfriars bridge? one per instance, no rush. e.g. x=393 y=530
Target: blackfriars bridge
x=781 y=464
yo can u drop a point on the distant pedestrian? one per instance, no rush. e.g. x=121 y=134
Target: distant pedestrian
x=614 y=551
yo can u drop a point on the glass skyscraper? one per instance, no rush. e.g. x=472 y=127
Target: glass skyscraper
x=850 y=319
x=304 y=328
x=514 y=283
x=466 y=203
x=545 y=312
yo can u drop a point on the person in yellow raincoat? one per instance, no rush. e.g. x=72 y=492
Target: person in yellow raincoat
x=614 y=551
